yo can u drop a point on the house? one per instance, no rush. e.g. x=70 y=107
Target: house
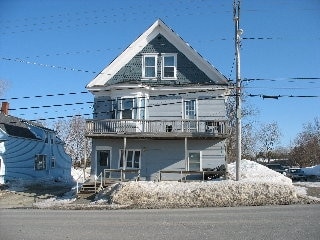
x=29 y=151
x=159 y=106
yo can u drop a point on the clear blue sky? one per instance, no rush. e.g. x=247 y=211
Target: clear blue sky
x=57 y=47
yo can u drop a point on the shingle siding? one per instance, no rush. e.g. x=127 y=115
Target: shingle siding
x=187 y=72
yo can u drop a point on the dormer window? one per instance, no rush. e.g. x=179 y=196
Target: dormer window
x=149 y=66
x=169 y=66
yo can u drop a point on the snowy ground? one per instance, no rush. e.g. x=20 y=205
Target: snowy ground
x=259 y=185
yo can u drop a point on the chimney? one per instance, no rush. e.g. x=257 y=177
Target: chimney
x=5 y=108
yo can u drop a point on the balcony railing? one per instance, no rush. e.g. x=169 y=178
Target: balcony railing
x=145 y=127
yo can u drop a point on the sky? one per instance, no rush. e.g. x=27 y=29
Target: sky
x=50 y=50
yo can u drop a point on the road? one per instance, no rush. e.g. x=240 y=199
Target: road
x=266 y=222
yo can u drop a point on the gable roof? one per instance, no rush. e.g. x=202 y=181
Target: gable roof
x=159 y=27
x=17 y=127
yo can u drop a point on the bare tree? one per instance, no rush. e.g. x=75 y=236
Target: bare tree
x=72 y=132
x=306 y=151
x=248 y=136
x=3 y=87
x=268 y=137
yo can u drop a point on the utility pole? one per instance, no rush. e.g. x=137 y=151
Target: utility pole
x=237 y=38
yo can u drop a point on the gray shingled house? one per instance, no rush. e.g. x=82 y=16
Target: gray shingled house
x=159 y=106
x=31 y=152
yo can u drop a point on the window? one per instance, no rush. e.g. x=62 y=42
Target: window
x=190 y=113
x=130 y=108
x=132 y=159
x=103 y=157
x=40 y=162
x=53 y=162
x=169 y=66
x=194 y=161
x=149 y=66
x=127 y=107
x=190 y=109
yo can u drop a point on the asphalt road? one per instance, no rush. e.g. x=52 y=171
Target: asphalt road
x=267 y=222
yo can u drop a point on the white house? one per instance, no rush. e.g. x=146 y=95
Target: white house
x=159 y=106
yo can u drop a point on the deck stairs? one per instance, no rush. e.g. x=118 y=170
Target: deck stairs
x=95 y=186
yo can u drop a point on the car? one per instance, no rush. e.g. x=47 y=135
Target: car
x=296 y=174
x=277 y=167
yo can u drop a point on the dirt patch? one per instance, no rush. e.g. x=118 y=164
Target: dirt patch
x=313 y=192
x=25 y=197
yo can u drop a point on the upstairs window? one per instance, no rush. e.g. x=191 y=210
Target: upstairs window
x=169 y=66
x=149 y=66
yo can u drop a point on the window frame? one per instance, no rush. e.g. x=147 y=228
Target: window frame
x=163 y=56
x=200 y=160
x=133 y=160
x=144 y=56
x=37 y=160
x=53 y=162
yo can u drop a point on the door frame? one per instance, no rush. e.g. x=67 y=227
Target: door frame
x=101 y=148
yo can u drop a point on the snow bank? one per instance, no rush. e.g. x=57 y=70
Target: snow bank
x=202 y=194
x=259 y=185
x=253 y=172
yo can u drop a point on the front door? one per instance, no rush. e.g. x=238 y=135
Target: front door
x=103 y=161
x=190 y=112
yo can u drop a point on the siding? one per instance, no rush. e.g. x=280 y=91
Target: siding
x=187 y=72
x=19 y=160
x=159 y=155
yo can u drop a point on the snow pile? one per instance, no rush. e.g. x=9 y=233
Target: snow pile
x=202 y=194
x=78 y=174
x=253 y=172
x=67 y=198
x=259 y=185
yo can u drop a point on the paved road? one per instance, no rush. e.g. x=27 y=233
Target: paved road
x=268 y=222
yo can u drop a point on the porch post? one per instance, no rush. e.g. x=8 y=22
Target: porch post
x=186 y=153
x=124 y=163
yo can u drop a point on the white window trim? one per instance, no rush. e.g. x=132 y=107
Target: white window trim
x=100 y=148
x=144 y=66
x=163 y=55
x=125 y=156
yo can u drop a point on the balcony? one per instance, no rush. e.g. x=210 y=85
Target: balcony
x=156 y=128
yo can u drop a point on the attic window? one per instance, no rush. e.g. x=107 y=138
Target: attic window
x=149 y=66
x=169 y=66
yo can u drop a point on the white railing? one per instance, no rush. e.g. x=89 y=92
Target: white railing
x=113 y=126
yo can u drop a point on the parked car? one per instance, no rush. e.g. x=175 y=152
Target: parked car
x=277 y=167
x=296 y=174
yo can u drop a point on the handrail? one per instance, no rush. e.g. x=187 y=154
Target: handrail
x=186 y=173
x=95 y=182
x=122 y=173
x=77 y=180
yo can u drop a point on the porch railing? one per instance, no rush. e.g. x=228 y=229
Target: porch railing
x=116 y=126
x=120 y=174
x=183 y=174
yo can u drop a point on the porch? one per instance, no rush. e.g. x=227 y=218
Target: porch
x=111 y=176
x=158 y=128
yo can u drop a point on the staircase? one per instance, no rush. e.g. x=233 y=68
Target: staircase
x=94 y=187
